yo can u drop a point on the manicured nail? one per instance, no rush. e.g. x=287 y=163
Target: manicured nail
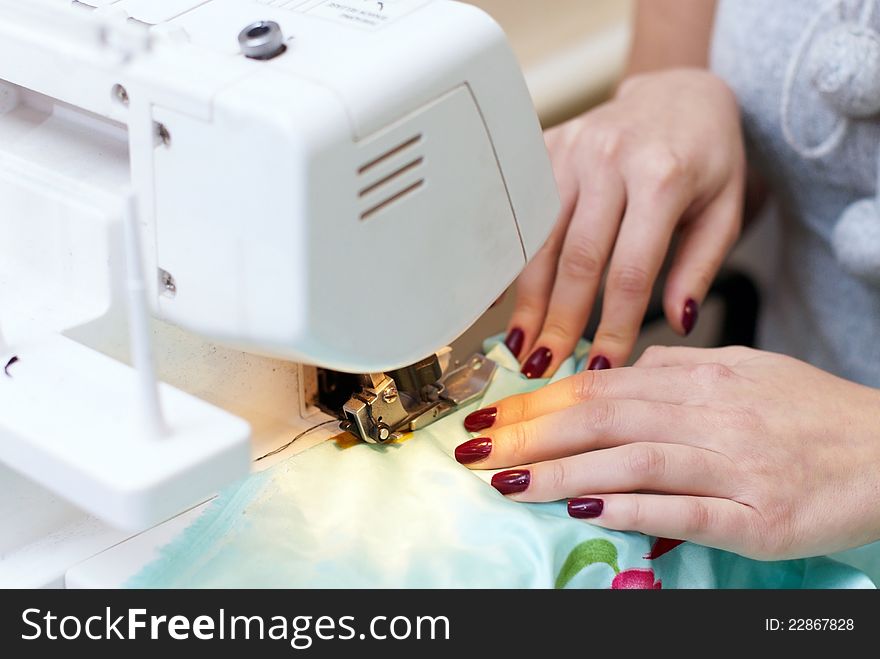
x=474 y=450
x=512 y=482
x=585 y=508
x=599 y=363
x=481 y=419
x=537 y=364
x=515 y=341
x=689 y=316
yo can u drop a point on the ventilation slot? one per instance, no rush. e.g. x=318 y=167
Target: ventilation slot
x=393 y=175
x=367 y=214
x=390 y=154
x=390 y=183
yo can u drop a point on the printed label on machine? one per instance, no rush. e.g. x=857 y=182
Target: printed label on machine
x=369 y=14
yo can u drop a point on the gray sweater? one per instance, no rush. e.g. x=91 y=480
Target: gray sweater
x=807 y=75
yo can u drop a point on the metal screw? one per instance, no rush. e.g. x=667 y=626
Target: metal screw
x=262 y=40
x=431 y=392
x=163 y=134
x=384 y=434
x=168 y=284
x=120 y=93
x=389 y=395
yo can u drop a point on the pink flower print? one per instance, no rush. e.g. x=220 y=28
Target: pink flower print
x=636 y=579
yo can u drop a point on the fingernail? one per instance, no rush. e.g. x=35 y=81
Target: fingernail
x=537 y=364
x=585 y=508
x=689 y=316
x=515 y=341
x=512 y=482
x=599 y=363
x=481 y=419
x=474 y=450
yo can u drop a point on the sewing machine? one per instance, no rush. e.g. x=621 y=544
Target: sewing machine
x=225 y=222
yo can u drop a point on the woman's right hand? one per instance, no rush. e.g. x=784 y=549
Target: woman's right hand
x=665 y=155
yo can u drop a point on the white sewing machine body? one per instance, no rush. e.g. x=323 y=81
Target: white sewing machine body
x=354 y=200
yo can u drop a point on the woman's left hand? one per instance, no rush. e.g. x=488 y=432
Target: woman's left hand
x=732 y=448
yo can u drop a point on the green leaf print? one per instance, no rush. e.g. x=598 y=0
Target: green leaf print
x=586 y=554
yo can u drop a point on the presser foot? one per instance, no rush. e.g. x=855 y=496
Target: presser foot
x=387 y=406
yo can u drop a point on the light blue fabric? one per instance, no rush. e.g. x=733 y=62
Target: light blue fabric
x=409 y=516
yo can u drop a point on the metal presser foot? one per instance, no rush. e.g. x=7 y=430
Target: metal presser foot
x=408 y=399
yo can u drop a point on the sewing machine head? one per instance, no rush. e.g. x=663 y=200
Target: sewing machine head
x=348 y=185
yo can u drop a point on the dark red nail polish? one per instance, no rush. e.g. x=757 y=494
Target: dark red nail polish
x=481 y=419
x=599 y=363
x=537 y=364
x=585 y=508
x=512 y=482
x=660 y=547
x=515 y=340
x=689 y=316
x=474 y=450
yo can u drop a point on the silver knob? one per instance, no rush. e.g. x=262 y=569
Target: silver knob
x=262 y=40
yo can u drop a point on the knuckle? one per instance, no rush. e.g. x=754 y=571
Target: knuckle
x=710 y=375
x=743 y=420
x=581 y=259
x=558 y=332
x=558 y=476
x=517 y=407
x=600 y=415
x=662 y=167
x=607 y=143
x=634 y=517
x=698 y=518
x=703 y=276
x=518 y=440
x=586 y=386
x=629 y=280
x=530 y=306
x=621 y=337
x=752 y=460
x=646 y=462
x=774 y=533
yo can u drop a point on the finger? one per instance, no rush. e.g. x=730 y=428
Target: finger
x=704 y=245
x=589 y=426
x=670 y=356
x=642 y=467
x=642 y=243
x=712 y=522
x=582 y=260
x=534 y=285
x=665 y=385
x=533 y=289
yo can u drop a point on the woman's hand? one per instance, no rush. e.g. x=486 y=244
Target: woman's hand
x=666 y=154
x=732 y=448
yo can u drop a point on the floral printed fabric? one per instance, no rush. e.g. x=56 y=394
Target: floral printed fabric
x=408 y=515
